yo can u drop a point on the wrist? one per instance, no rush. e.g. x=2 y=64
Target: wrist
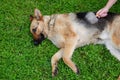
x=107 y=8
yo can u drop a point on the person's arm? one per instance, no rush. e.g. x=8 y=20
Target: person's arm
x=103 y=12
x=110 y=4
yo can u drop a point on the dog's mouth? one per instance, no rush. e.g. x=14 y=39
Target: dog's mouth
x=39 y=40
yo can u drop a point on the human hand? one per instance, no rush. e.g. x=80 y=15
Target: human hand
x=102 y=12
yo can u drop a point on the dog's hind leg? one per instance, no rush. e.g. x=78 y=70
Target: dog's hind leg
x=54 y=60
x=113 y=51
x=70 y=45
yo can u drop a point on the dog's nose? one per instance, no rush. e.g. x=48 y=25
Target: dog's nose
x=36 y=42
x=39 y=40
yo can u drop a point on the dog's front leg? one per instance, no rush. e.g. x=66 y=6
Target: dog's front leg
x=54 y=60
x=70 y=45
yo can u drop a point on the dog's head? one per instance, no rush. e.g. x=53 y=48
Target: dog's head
x=37 y=27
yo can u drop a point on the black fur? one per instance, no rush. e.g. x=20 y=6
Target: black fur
x=110 y=17
x=81 y=15
x=101 y=21
x=56 y=71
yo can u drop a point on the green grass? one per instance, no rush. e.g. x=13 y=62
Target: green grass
x=21 y=60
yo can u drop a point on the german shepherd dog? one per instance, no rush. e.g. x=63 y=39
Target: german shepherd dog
x=72 y=30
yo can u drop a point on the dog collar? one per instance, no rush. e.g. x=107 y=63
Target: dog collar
x=51 y=22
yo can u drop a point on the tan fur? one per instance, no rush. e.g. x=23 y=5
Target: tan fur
x=67 y=34
x=116 y=31
x=118 y=78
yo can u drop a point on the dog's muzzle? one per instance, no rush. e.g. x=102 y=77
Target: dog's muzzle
x=39 y=40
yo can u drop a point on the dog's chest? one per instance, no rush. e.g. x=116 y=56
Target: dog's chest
x=57 y=40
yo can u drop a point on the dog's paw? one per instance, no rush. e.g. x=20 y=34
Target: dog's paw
x=77 y=70
x=55 y=72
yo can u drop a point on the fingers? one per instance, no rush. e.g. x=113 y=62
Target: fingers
x=101 y=15
x=98 y=13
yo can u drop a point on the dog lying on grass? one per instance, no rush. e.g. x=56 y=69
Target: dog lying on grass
x=73 y=30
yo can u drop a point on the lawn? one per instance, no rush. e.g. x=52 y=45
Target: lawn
x=21 y=60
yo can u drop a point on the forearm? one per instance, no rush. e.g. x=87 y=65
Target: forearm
x=110 y=3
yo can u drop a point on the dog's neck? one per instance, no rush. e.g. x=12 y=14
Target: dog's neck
x=49 y=23
x=52 y=20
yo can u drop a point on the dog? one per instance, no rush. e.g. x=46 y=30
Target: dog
x=118 y=78
x=72 y=30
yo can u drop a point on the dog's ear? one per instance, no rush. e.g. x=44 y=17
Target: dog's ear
x=31 y=18
x=37 y=14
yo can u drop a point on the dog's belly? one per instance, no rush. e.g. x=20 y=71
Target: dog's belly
x=87 y=41
x=86 y=35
